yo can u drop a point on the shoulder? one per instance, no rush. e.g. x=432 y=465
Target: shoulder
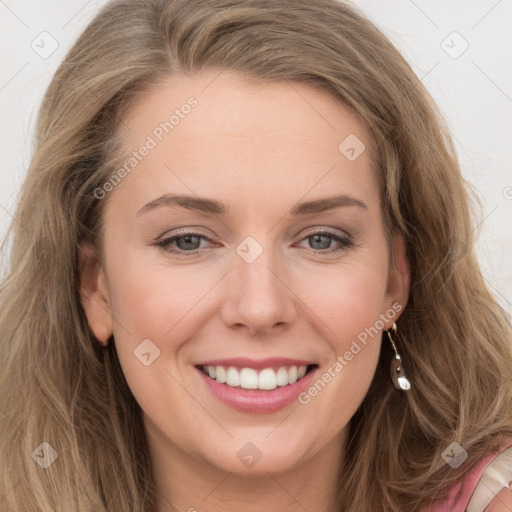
x=493 y=492
x=487 y=487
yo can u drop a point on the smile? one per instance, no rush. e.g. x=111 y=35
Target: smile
x=258 y=387
x=251 y=378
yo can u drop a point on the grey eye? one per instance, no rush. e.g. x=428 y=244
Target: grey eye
x=191 y=242
x=318 y=238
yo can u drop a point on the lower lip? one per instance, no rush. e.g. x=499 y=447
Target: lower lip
x=258 y=401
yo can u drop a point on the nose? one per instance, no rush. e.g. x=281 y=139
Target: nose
x=257 y=297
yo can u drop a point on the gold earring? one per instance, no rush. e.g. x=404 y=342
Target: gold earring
x=397 y=370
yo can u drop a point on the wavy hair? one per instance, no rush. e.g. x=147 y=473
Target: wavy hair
x=59 y=387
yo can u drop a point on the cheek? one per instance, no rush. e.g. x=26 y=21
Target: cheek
x=167 y=305
x=170 y=301
x=351 y=311
x=351 y=304
x=348 y=299
x=152 y=301
x=157 y=312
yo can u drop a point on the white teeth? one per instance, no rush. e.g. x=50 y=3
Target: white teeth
x=267 y=379
x=232 y=377
x=292 y=375
x=282 y=376
x=220 y=374
x=249 y=378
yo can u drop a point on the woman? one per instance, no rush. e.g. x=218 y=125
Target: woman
x=242 y=277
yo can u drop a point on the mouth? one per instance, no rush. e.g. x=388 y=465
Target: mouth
x=258 y=387
x=250 y=378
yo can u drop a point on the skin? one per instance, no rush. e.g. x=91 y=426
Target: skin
x=259 y=148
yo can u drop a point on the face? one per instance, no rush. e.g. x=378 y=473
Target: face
x=276 y=264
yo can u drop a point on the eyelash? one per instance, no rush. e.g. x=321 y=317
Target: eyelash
x=346 y=242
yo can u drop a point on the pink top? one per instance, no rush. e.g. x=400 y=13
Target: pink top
x=458 y=502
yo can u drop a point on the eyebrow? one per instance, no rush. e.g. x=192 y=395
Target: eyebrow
x=213 y=207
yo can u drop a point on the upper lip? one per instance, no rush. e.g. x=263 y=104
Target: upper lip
x=245 y=362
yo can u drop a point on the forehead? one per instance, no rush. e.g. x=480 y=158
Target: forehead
x=241 y=106
x=219 y=131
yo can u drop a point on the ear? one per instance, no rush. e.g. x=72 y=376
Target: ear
x=94 y=293
x=399 y=277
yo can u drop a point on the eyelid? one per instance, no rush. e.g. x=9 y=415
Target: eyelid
x=339 y=236
x=189 y=230
x=325 y=229
x=182 y=233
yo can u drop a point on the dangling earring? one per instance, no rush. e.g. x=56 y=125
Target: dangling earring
x=397 y=370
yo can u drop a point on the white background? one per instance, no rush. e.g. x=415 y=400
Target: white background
x=473 y=90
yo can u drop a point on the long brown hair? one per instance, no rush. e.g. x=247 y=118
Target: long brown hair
x=58 y=387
